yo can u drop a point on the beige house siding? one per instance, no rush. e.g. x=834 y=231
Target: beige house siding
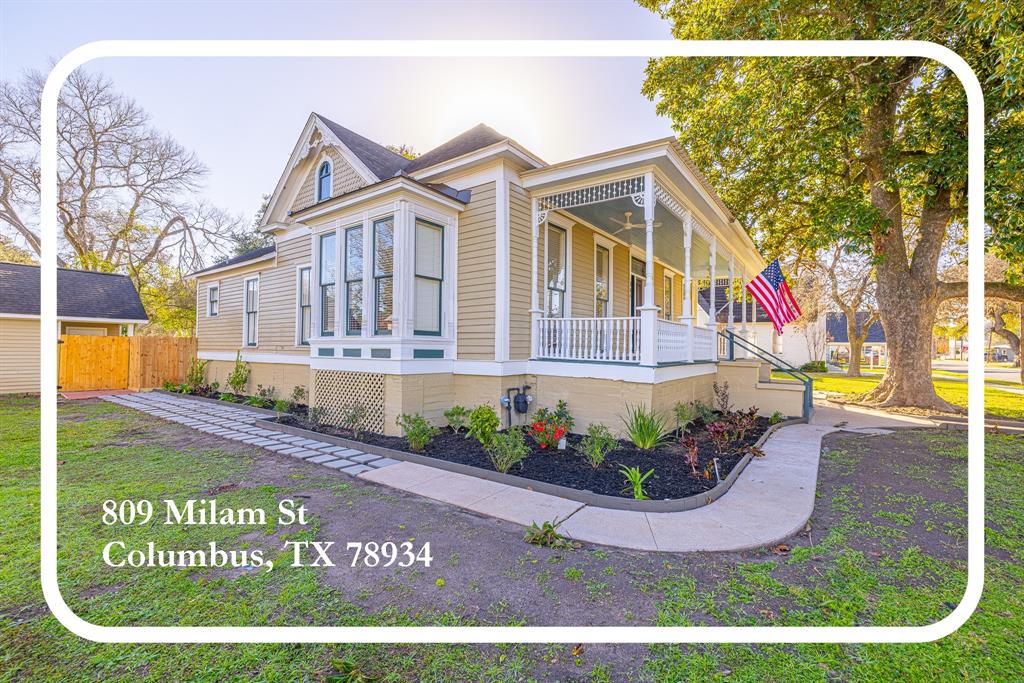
x=582 y=271
x=19 y=355
x=282 y=376
x=520 y=246
x=278 y=305
x=620 y=281
x=344 y=178
x=476 y=276
x=109 y=329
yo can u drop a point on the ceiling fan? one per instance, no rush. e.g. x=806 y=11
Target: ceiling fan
x=628 y=224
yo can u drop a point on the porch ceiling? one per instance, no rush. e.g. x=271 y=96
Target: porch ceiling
x=668 y=236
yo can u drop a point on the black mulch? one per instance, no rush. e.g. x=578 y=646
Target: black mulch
x=672 y=478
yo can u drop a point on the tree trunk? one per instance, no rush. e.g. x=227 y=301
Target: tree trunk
x=856 y=349
x=907 y=308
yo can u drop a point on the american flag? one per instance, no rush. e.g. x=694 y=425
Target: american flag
x=771 y=290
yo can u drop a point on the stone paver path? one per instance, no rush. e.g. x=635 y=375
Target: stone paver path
x=231 y=421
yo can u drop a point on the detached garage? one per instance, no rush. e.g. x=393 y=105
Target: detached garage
x=88 y=303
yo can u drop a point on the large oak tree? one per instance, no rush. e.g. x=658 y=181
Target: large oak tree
x=813 y=152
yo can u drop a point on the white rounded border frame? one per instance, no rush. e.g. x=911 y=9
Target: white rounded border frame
x=509 y=634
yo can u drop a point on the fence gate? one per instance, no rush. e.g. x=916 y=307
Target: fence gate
x=87 y=363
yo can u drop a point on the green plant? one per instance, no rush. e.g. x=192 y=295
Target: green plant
x=483 y=424
x=230 y=398
x=690 y=452
x=196 y=375
x=169 y=385
x=546 y=535
x=596 y=444
x=722 y=402
x=351 y=417
x=776 y=418
x=258 y=402
x=506 y=449
x=239 y=376
x=457 y=417
x=347 y=671
x=645 y=428
x=282 y=406
x=418 y=432
x=814 y=366
x=298 y=394
x=635 y=481
x=550 y=426
x=686 y=414
x=721 y=434
x=315 y=416
x=705 y=413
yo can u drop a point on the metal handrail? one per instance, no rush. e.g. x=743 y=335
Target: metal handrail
x=732 y=338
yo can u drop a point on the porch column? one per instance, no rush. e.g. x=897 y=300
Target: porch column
x=687 y=305
x=713 y=306
x=732 y=281
x=536 y=218
x=649 y=311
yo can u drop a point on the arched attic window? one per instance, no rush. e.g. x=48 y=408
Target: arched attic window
x=323 y=182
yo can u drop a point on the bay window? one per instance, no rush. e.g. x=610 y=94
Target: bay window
x=383 y=274
x=429 y=278
x=327 y=284
x=354 y=280
x=556 y=271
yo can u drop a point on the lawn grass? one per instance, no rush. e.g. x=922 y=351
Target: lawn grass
x=832 y=581
x=997 y=403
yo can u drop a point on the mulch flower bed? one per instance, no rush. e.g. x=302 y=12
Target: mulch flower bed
x=672 y=477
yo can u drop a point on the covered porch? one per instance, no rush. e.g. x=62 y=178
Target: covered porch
x=620 y=243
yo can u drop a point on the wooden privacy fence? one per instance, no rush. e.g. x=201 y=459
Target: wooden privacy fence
x=86 y=362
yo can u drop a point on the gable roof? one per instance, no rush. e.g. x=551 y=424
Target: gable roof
x=80 y=294
x=835 y=328
x=381 y=161
x=477 y=137
x=250 y=255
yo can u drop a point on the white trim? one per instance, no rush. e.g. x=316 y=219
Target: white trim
x=506 y=146
x=250 y=357
x=298 y=303
x=259 y=259
x=608 y=246
x=245 y=312
x=567 y=304
x=502 y=255
x=371 y=192
x=61 y=319
x=323 y=158
x=209 y=287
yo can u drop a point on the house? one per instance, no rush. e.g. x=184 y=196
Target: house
x=874 y=349
x=797 y=345
x=478 y=271
x=88 y=303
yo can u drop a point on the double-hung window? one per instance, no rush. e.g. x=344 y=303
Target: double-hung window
x=252 y=310
x=327 y=284
x=666 y=298
x=354 y=280
x=305 y=306
x=556 y=271
x=429 y=278
x=602 y=289
x=383 y=272
x=213 y=301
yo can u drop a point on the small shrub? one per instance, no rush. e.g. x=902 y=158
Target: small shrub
x=814 y=366
x=635 y=481
x=266 y=392
x=258 y=402
x=721 y=435
x=196 y=375
x=298 y=396
x=315 y=417
x=282 y=406
x=686 y=414
x=744 y=421
x=690 y=452
x=351 y=417
x=169 y=385
x=546 y=536
x=722 y=402
x=483 y=424
x=457 y=417
x=506 y=449
x=550 y=426
x=230 y=398
x=418 y=432
x=596 y=444
x=239 y=376
x=776 y=418
x=705 y=413
x=645 y=428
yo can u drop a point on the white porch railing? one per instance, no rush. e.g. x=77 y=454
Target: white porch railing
x=618 y=340
x=597 y=339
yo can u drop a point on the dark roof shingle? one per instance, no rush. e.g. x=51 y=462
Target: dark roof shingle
x=477 y=137
x=381 y=161
x=80 y=293
x=241 y=258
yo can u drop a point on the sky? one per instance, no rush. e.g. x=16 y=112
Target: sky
x=242 y=117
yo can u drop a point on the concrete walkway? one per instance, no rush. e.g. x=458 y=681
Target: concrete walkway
x=771 y=499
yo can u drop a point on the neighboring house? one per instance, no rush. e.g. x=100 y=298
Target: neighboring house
x=88 y=303
x=756 y=327
x=874 y=349
x=476 y=270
